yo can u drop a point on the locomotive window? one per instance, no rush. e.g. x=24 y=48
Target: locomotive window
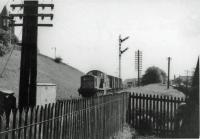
x=95 y=81
x=88 y=82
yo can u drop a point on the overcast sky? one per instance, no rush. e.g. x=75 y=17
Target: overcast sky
x=85 y=34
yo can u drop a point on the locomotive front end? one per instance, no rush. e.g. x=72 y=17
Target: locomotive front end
x=87 y=88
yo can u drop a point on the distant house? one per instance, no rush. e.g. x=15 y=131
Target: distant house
x=5 y=21
x=130 y=82
x=182 y=81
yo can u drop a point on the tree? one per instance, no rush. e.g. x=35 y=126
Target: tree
x=5 y=38
x=153 y=75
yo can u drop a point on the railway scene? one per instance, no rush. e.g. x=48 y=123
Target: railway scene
x=97 y=69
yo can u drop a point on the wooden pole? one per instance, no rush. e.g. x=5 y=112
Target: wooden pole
x=138 y=68
x=28 y=71
x=169 y=58
x=120 y=56
x=28 y=65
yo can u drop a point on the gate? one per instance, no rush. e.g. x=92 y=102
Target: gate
x=153 y=114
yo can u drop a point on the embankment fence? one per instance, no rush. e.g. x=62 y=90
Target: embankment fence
x=92 y=118
x=153 y=113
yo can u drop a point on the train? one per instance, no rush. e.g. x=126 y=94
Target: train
x=7 y=101
x=96 y=83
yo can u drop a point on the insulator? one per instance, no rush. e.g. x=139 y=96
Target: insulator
x=52 y=17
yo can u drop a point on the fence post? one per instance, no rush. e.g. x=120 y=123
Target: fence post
x=133 y=111
x=150 y=111
x=164 y=114
x=167 y=115
x=129 y=108
x=154 y=108
x=157 y=114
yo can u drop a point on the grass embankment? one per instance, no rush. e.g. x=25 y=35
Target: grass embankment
x=157 y=89
x=64 y=76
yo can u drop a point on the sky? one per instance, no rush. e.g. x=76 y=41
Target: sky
x=85 y=34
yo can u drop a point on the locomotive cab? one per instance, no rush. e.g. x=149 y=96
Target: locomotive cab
x=88 y=86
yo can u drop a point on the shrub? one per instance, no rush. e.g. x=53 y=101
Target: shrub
x=58 y=59
x=4 y=49
x=4 y=41
x=153 y=75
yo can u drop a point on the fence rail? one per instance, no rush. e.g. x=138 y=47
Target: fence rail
x=93 y=118
x=153 y=113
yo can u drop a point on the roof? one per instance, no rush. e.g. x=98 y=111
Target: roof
x=6 y=91
x=130 y=80
x=99 y=73
x=46 y=84
x=185 y=77
x=4 y=11
x=95 y=72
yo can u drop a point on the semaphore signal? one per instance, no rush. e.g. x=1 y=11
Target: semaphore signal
x=121 y=52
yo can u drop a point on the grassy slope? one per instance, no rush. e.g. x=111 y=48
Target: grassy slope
x=157 y=89
x=64 y=76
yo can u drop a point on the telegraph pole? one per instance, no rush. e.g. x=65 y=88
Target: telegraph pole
x=187 y=71
x=28 y=69
x=169 y=58
x=138 y=68
x=121 y=52
x=138 y=64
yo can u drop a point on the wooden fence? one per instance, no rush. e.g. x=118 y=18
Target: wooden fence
x=92 y=118
x=153 y=114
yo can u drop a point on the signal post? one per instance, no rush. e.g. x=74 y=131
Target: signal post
x=121 y=52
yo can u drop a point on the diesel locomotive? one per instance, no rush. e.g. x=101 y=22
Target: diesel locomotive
x=96 y=83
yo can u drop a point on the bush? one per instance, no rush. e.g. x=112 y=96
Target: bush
x=153 y=75
x=4 y=41
x=4 y=49
x=58 y=59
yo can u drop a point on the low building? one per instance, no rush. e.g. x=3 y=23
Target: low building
x=46 y=93
x=182 y=81
x=7 y=100
x=5 y=21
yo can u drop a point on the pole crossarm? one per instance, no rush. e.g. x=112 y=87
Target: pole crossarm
x=39 y=25
x=45 y=25
x=6 y=17
x=25 y=15
x=122 y=51
x=13 y=6
x=122 y=40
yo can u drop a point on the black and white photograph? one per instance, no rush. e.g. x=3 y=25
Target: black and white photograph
x=99 y=69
